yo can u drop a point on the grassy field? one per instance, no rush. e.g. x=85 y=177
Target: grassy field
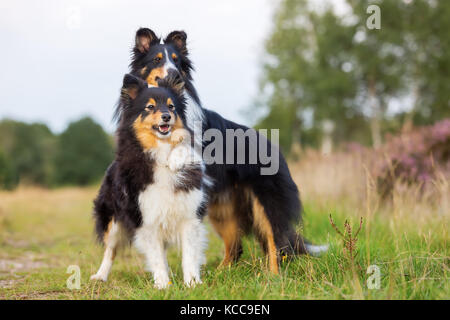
x=42 y=232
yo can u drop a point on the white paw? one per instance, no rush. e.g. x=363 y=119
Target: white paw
x=180 y=135
x=162 y=284
x=178 y=158
x=99 y=277
x=192 y=282
x=192 y=279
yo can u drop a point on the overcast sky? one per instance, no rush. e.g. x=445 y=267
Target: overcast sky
x=60 y=60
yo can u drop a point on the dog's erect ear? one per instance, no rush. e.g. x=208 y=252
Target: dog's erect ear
x=178 y=39
x=144 y=39
x=130 y=89
x=132 y=86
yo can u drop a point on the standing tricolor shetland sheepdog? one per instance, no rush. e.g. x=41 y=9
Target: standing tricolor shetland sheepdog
x=154 y=193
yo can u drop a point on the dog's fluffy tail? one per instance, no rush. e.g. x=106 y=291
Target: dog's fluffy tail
x=304 y=246
x=316 y=250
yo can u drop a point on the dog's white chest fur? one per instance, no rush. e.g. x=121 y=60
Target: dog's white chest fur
x=160 y=204
x=170 y=216
x=166 y=209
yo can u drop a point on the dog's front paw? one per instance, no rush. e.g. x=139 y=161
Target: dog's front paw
x=99 y=277
x=192 y=278
x=162 y=284
x=179 y=135
x=178 y=158
x=192 y=282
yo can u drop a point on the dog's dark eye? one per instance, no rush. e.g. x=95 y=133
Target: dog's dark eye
x=156 y=59
x=150 y=106
x=171 y=106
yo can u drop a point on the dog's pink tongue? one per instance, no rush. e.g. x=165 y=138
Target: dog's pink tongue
x=164 y=128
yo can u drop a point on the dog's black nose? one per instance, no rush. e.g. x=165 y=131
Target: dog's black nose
x=166 y=117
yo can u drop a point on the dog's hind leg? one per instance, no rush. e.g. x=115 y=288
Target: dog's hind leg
x=223 y=218
x=111 y=240
x=264 y=232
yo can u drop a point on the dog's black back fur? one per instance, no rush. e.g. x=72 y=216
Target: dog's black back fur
x=277 y=193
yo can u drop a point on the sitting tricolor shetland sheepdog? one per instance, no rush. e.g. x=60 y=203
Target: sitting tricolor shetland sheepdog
x=154 y=192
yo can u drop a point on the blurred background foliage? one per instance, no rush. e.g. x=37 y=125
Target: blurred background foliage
x=32 y=154
x=327 y=82
x=327 y=74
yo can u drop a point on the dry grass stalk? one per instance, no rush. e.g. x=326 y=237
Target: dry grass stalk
x=350 y=240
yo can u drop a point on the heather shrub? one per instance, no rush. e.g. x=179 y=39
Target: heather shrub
x=416 y=157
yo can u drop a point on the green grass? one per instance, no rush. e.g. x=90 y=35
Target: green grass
x=43 y=232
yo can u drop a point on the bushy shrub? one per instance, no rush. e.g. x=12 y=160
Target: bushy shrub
x=415 y=157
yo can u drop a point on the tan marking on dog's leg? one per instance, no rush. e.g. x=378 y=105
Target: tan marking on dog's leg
x=111 y=241
x=264 y=228
x=230 y=234
x=225 y=223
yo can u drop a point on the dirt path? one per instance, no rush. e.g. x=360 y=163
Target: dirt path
x=12 y=269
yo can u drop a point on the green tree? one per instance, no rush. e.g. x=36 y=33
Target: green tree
x=28 y=150
x=281 y=73
x=8 y=176
x=428 y=49
x=324 y=68
x=379 y=59
x=308 y=74
x=408 y=57
x=83 y=154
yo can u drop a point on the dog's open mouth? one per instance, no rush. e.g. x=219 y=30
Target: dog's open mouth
x=163 y=128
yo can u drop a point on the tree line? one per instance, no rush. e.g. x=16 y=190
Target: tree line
x=328 y=74
x=33 y=154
